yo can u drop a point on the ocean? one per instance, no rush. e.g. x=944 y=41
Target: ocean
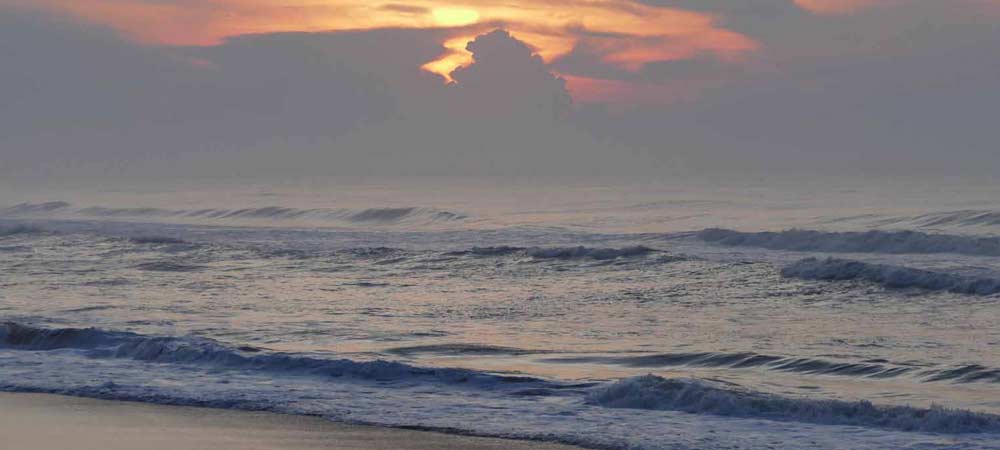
x=786 y=313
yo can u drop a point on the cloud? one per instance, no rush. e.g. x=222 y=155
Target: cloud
x=81 y=101
x=626 y=34
x=508 y=77
x=841 y=6
x=898 y=90
x=506 y=114
x=78 y=96
x=904 y=88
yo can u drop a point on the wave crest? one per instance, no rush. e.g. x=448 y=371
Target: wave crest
x=879 y=369
x=362 y=216
x=892 y=277
x=894 y=242
x=647 y=392
x=703 y=397
x=202 y=351
x=579 y=252
x=19 y=229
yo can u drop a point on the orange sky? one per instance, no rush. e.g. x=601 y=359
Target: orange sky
x=853 y=6
x=839 y=6
x=623 y=33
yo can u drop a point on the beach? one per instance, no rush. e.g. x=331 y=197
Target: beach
x=53 y=422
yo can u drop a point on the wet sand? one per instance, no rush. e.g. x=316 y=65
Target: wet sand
x=52 y=422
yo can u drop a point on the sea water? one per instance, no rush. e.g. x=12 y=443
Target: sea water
x=608 y=313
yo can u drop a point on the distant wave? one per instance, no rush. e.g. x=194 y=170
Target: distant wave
x=463 y=350
x=157 y=240
x=587 y=252
x=168 y=266
x=369 y=216
x=15 y=230
x=893 y=277
x=810 y=366
x=703 y=397
x=560 y=252
x=969 y=217
x=897 y=242
x=34 y=208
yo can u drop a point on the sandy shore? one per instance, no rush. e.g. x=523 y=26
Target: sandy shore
x=51 y=422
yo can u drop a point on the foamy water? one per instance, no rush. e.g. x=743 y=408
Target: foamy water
x=653 y=315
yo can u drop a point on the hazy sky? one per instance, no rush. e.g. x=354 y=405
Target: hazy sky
x=249 y=88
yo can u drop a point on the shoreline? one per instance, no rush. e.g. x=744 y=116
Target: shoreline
x=57 y=422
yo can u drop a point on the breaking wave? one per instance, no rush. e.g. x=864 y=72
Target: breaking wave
x=704 y=397
x=15 y=230
x=202 y=351
x=809 y=366
x=892 y=277
x=897 y=242
x=580 y=252
x=34 y=208
x=647 y=392
x=364 y=216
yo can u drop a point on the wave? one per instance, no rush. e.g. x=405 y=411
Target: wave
x=965 y=218
x=649 y=392
x=125 y=345
x=892 y=277
x=157 y=240
x=580 y=252
x=168 y=266
x=589 y=253
x=463 y=350
x=704 y=397
x=895 y=242
x=966 y=374
x=809 y=366
x=364 y=216
x=202 y=351
x=20 y=229
x=34 y=208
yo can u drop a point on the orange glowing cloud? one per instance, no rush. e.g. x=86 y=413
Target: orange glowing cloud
x=840 y=6
x=843 y=7
x=623 y=33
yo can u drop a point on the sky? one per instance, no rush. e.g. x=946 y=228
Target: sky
x=99 y=89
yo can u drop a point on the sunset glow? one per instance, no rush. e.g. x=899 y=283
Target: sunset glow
x=621 y=33
x=455 y=17
x=456 y=57
x=839 y=6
